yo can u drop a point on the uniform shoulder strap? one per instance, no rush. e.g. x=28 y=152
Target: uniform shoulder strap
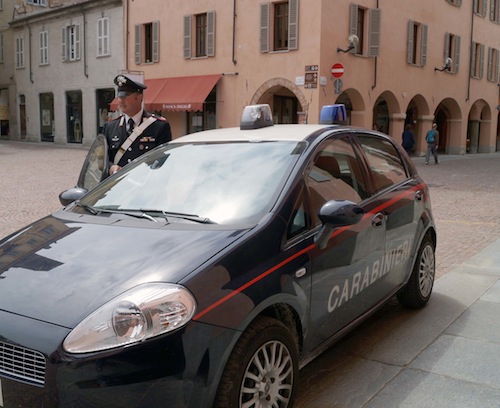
x=134 y=135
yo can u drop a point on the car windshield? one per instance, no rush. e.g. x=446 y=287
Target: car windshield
x=224 y=183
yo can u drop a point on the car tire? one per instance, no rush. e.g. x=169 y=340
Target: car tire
x=262 y=369
x=417 y=291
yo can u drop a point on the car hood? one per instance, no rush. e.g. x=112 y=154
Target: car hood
x=58 y=271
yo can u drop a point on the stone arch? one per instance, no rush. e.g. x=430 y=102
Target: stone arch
x=387 y=114
x=355 y=106
x=417 y=114
x=480 y=137
x=266 y=92
x=449 y=117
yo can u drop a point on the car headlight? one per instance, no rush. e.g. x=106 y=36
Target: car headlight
x=138 y=314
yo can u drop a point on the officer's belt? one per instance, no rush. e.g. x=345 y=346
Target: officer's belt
x=134 y=135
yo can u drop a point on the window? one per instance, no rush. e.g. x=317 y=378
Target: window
x=279 y=26
x=495 y=11
x=44 y=47
x=452 y=50
x=335 y=174
x=455 y=2
x=20 y=52
x=202 y=39
x=147 y=43
x=103 y=47
x=37 y=2
x=480 y=7
x=477 y=60
x=384 y=161
x=417 y=44
x=493 y=65
x=365 y=24
x=1 y=4
x=71 y=43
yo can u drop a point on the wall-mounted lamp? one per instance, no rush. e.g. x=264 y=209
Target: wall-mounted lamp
x=447 y=65
x=353 y=42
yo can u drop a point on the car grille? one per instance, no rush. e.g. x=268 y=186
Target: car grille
x=22 y=363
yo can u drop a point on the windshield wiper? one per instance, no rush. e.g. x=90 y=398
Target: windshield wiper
x=189 y=217
x=98 y=210
x=89 y=208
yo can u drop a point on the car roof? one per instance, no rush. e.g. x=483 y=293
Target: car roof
x=293 y=132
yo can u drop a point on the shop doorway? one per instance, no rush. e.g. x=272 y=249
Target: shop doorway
x=74 y=116
x=47 y=117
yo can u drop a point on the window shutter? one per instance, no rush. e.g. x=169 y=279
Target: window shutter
x=497 y=65
x=106 y=47
x=156 y=41
x=489 y=72
x=264 y=27
x=457 y=53
x=423 y=50
x=100 y=37
x=353 y=26
x=473 y=59
x=409 y=42
x=77 y=42
x=375 y=16
x=211 y=34
x=293 y=21
x=481 y=61
x=138 y=42
x=485 y=7
x=446 y=46
x=187 y=37
x=64 y=44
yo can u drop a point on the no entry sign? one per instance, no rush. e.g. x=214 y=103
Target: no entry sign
x=337 y=70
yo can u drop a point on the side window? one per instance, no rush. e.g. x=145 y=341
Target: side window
x=334 y=174
x=385 y=163
x=300 y=220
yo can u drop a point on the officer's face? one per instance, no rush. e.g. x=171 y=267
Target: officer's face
x=131 y=103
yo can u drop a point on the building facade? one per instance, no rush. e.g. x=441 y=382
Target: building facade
x=391 y=63
x=64 y=54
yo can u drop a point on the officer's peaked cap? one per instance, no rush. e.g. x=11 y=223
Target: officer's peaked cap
x=125 y=85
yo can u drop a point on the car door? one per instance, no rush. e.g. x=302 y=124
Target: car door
x=95 y=164
x=345 y=273
x=399 y=197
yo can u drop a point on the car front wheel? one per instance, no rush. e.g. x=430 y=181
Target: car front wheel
x=418 y=290
x=262 y=369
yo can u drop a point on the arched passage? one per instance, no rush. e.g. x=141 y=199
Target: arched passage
x=449 y=125
x=417 y=112
x=479 y=129
x=287 y=102
x=355 y=107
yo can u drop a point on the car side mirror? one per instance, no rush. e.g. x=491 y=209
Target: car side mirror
x=73 y=194
x=334 y=214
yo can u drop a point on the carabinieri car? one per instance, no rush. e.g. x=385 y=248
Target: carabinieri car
x=207 y=272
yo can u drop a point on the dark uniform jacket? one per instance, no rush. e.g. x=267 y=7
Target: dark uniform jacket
x=154 y=135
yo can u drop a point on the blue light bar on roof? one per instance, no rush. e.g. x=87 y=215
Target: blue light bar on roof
x=333 y=114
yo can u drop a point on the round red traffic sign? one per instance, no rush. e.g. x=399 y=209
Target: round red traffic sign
x=337 y=70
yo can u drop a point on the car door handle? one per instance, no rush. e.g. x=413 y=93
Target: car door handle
x=378 y=220
x=419 y=195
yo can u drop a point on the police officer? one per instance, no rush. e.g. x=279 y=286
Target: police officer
x=136 y=131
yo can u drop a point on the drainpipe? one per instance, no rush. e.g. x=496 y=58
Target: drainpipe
x=29 y=52
x=126 y=36
x=234 y=31
x=470 y=48
x=85 y=67
x=375 y=67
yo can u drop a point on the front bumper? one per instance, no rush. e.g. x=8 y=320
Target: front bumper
x=181 y=369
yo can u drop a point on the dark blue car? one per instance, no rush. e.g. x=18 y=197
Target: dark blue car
x=207 y=272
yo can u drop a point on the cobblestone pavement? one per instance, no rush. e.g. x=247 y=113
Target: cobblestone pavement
x=465 y=193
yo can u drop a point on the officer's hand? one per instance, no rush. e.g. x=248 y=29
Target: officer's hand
x=113 y=169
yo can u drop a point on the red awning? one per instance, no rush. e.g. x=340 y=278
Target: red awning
x=177 y=93
x=185 y=93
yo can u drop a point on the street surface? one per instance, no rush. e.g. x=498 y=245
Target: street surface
x=398 y=358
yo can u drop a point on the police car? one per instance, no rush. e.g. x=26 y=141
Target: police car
x=207 y=272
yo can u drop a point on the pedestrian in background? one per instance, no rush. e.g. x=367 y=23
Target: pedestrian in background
x=408 y=139
x=432 y=139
